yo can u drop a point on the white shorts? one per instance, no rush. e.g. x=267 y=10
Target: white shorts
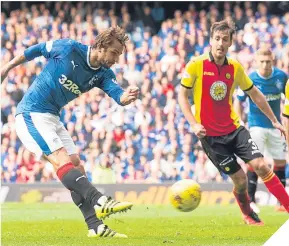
x=43 y=133
x=269 y=141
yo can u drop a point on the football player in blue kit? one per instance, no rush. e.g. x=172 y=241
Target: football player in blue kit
x=271 y=81
x=71 y=70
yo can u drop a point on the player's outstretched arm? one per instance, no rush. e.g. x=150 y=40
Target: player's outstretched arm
x=259 y=99
x=122 y=97
x=12 y=64
x=185 y=105
x=50 y=49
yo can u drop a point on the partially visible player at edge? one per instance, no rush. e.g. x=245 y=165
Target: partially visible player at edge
x=213 y=78
x=286 y=112
x=72 y=69
x=271 y=81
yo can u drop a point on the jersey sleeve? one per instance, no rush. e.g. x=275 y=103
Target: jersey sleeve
x=286 y=105
x=110 y=86
x=49 y=49
x=242 y=79
x=189 y=75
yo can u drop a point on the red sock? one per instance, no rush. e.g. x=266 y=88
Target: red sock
x=64 y=170
x=243 y=202
x=274 y=185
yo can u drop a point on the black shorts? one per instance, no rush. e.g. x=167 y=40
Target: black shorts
x=221 y=150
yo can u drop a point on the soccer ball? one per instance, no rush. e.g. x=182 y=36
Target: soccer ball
x=185 y=195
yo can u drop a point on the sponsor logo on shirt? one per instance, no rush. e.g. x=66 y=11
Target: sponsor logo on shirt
x=209 y=73
x=273 y=97
x=69 y=85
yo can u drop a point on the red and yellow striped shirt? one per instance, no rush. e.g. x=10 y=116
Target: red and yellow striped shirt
x=213 y=88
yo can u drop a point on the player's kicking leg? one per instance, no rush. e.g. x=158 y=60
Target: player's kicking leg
x=46 y=140
x=75 y=181
x=96 y=228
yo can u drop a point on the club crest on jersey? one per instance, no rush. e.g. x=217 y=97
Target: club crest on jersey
x=218 y=90
x=279 y=84
x=228 y=76
x=93 y=80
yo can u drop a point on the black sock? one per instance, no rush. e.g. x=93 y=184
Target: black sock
x=280 y=173
x=75 y=181
x=252 y=185
x=87 y=210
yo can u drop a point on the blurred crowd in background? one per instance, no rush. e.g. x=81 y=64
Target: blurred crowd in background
x=148 y=141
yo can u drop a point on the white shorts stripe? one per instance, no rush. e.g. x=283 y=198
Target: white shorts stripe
x=35 y=134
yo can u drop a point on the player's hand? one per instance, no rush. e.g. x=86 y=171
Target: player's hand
x=199 y=130
x=130 y=95
x=278 y=126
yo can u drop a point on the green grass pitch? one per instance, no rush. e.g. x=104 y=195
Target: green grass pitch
x=62 y=224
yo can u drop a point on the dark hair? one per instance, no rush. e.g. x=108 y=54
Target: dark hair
x=223 y=26
x=104 y=39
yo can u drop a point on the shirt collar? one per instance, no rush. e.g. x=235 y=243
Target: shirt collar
x=87 y=59
x=269 y=77
x=211 y=58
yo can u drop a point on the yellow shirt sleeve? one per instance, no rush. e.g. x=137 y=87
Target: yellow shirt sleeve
x=189 y=75
x=286 y=105
x=242 y=79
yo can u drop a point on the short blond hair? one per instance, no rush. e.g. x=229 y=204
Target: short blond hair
x=106 y=38
x=264 y=52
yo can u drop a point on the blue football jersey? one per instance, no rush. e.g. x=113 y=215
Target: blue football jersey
x=65 y=77
x=271 y=87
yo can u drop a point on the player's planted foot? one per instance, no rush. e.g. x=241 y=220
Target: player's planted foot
x=104 y=231
x=108 y=206
x=252 y=219
x=255 y=208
